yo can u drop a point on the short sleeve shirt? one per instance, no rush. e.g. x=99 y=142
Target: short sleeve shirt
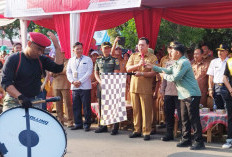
x=216 y=69
x=106 y=64
x=164 y=60
x=200 y=70
x=141 y=84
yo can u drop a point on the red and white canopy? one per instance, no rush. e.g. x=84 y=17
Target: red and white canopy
x=4 y=21
x=104 y=14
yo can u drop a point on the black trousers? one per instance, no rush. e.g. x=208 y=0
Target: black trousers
x=191 y=117
x=228 y=100
x=170 y=104
x=116 y=125
x=80 y=97
x=218 y=96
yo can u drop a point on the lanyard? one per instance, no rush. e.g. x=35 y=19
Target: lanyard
x=79 y=62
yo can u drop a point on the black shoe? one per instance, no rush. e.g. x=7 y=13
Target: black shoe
x=162 y=126
x=183 y=143
x=70 y=126
x=153 y=132
x=134 y=135
x=87 y=129
x=146 y=137
x=101 y=129
x=198 y=146
x=167 y=138
x=76 y=128
x=114 y=132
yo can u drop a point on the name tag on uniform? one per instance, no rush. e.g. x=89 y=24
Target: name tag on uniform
x=75 y=74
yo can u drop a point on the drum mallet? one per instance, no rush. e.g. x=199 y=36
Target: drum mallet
x=53 y=99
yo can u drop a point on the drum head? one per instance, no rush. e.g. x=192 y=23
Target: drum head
x=47 y=135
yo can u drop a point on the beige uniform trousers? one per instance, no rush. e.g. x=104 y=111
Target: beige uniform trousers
x=66 y=99
x=142 y=112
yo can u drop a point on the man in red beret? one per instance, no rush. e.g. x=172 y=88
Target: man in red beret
x=22 y=71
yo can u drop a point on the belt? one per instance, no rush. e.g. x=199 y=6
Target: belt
x=220 y=84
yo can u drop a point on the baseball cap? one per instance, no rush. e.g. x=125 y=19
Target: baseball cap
x=118 y=48
x=94 y=52
x=39 y=39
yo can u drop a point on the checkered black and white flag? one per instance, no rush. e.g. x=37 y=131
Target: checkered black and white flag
x=113 y=108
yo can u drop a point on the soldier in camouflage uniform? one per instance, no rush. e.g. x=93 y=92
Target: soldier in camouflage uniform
x=105 y=64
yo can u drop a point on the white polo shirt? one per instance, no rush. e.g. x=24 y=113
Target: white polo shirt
x=216 y=69
x=80 y=69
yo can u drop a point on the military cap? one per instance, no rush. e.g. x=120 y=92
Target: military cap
x=223 y=47
x=105 y=44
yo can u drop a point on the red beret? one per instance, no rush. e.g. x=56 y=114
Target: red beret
x=39 y=39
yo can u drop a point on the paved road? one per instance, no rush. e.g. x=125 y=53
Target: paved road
x=90 y=144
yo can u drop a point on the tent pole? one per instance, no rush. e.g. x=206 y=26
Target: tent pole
x=23 y=32
x=74 y=29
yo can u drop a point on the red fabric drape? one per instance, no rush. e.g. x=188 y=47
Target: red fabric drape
x=47 y=23
x=91 y=22
x=62 y=25
x=217 y=15
x=112 y=19
x=88 y=23
x=147 y=24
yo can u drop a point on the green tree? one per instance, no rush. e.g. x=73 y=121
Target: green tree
x=127 y=30
x=37 y=28
x=12 y=30
x=215 y=37
x=9 y=31
x=189 y=36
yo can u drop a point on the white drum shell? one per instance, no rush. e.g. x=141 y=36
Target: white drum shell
x=52 y=137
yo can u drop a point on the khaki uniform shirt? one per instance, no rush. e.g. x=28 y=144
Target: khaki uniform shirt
x=200 y=73
x=164 y=60
x=60 y=80
x=122 y=64
x=141 y=84
x=208 y=58
x=168 y=88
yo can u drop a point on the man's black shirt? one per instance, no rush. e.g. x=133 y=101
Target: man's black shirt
x=27 y=80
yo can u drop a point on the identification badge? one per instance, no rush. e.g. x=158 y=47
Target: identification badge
x=75 y=74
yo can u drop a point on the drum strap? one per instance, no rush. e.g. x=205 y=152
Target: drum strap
x=19 y=63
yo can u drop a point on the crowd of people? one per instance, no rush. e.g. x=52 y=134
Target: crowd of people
x=178 y=80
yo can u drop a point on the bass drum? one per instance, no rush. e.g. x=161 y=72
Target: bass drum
x=47 y=136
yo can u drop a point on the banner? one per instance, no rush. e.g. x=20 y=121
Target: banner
x=113 y=104
x=27 y=8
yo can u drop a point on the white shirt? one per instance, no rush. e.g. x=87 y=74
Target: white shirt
x=80 y=69
x=216 y=69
